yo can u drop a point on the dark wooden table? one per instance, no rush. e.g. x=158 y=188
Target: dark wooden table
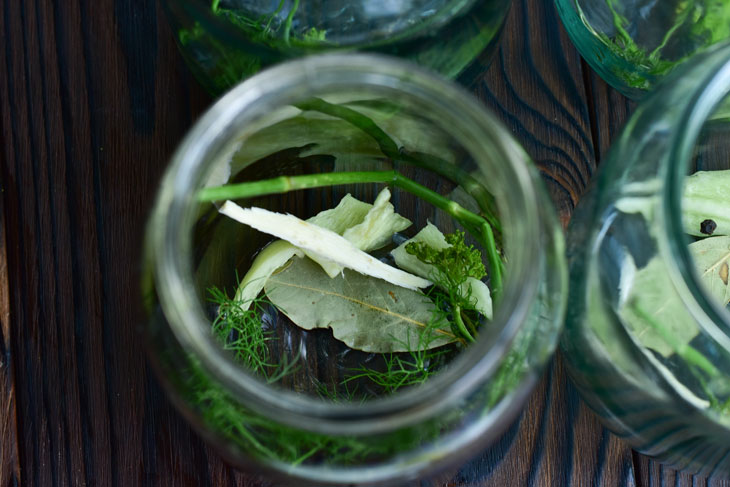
x=93 y=99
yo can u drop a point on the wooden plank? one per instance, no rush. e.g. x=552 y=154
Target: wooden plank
x=83 y=152
x=9 y=461
x=535 y=86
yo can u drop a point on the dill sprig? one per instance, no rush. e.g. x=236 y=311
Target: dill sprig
x=240 y=329
x=454 y=265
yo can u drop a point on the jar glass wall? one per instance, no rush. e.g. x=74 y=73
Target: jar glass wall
x=440 y=156
x=632 y=44
x=647 y=337
x=226 y=41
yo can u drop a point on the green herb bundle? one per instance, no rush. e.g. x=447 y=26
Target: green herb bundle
x=696 y=23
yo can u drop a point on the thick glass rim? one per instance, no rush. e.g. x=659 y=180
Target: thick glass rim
x=202 y=13
x=712 y=87
x=284 y=84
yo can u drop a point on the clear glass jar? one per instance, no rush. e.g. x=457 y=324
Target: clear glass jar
x=632 y=44
x=225 y=41
x=647 y=342
x=428 y=131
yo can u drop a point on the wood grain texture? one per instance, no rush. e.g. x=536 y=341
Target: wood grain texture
x=535 y=86
x=9 y=462
x=93 y=100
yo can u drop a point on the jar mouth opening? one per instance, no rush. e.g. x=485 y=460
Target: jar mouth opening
x=202 y=13
x=713 y=91
x=175 y=212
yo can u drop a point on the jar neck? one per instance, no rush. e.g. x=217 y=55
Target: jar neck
x=501 y=167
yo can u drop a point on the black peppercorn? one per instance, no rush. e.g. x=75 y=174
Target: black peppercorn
x=708 y=227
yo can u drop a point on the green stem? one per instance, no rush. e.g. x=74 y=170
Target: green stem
x=284 y=184
x=267 y=29
x=391 y=150
x=495 y=263
x=460 y=324
x=469 y=324
x=476 y=225
x=690 y=354
x=289 y=20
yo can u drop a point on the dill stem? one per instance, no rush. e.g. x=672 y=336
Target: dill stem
x=469 y=324
x=460 y=324
x=476 y=225
x=289 y=20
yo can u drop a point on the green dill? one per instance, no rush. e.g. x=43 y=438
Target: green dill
x=238 y=326
x=699 y=23
x=454 y=265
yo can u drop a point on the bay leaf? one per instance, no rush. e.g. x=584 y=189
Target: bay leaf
x=705 y=197
x=712 y=261
x=365 y=313
x=649 y=291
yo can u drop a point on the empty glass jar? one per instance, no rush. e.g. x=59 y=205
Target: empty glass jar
x=632 y=44
x=315 y=410
x=648 y=329
x=225 y=41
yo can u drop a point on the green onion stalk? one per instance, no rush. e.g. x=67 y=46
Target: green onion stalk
x=426 y=161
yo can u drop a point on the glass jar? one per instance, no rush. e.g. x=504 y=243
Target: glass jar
x=646 y=339
x=225 y=41
x=632 y=44
x=336 y=116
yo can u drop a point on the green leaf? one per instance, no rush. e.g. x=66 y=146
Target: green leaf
x=377 y=228
x=648 y=293
x=705 y=197
x=319 y=134
x=348 y=213
x=365 y=313
x=712 y=260
x=367 y=232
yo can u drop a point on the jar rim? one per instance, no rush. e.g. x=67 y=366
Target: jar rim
x=170 y=241
x=711 y=90
x=202 y=13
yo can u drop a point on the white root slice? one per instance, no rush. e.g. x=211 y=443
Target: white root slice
x=322 y=242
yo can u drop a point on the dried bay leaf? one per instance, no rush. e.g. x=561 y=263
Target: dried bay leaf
x=712 y=261
x=365 y=313
x=705 y=197
x=649 y=290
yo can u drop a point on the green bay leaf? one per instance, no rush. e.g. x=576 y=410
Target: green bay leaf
x=712 y=261
x=365 y=313
x=705 y=197
x=651 y=310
